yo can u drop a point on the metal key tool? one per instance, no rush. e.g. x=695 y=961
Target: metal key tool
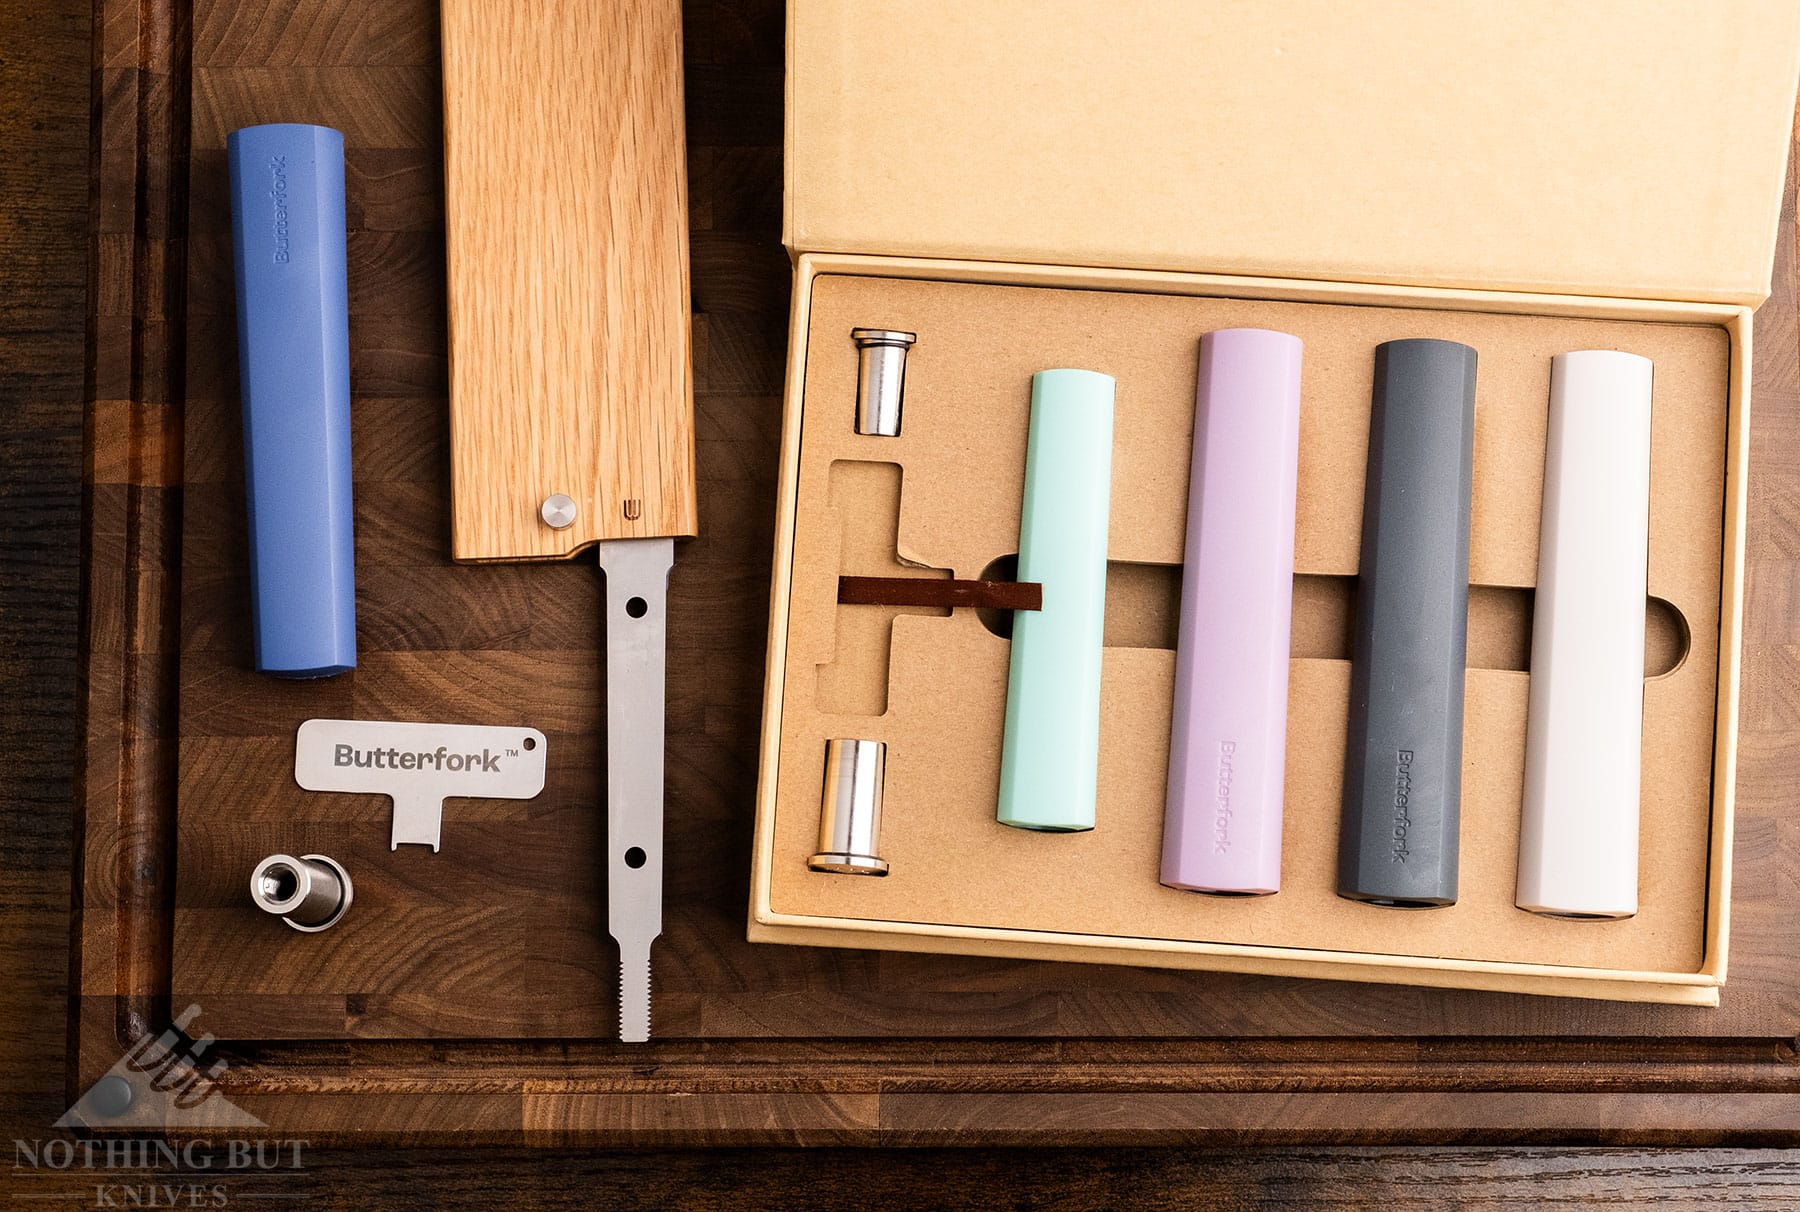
x=571 y=393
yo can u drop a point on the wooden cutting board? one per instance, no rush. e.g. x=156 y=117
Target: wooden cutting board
x=565 y=190
x=464 y=1001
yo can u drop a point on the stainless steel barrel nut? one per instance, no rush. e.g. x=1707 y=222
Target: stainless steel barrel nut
x=309 y=893
x=880 y=379
x=850 y=809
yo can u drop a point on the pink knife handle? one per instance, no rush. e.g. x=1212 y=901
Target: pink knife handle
x=1228 y=744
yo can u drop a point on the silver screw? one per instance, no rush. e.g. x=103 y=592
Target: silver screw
x=309 y=893
x=558 y=511
x=880 y=379
x=850 y=809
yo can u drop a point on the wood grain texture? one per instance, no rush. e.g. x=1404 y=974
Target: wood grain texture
x=44 y=298
x=787 y=1045
x=565 y=218
x=41 y=316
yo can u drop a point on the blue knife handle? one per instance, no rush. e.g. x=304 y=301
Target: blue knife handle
x=287 y=223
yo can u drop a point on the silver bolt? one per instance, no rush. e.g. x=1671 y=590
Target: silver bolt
x=309 y=893
x=880 y=379
x=558 y=511
x=850 y=808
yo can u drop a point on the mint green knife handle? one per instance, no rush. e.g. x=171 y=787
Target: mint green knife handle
x=1049 y=766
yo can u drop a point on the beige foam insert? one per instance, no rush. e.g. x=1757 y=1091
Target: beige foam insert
x=933 y=685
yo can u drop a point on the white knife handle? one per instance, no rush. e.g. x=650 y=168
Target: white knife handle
x=1578 y=830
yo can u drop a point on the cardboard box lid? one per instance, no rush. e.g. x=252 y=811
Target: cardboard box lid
x=1632 y=148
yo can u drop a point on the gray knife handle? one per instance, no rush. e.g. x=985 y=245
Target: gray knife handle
x=1403 y=760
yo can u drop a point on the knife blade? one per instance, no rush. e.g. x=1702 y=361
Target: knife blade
x=636 y=609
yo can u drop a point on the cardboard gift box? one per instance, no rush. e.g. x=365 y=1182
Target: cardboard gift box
x=1028 y=185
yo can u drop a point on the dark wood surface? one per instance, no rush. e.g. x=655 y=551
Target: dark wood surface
x=1703 y=1090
